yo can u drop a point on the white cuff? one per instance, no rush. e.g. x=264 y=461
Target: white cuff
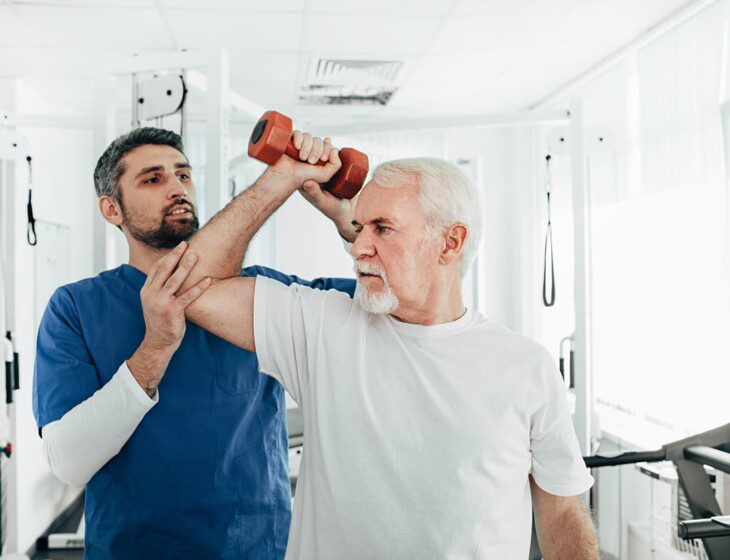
x=135 y=388
x=94 y=431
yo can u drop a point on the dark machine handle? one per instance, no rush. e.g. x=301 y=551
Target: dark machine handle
x=625 y=458
x=16 y=370
x=708 y=456
x=8 y=382
x=704 y=528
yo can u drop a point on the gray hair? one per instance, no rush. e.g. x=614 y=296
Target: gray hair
x=110 y=168
x=446 y=196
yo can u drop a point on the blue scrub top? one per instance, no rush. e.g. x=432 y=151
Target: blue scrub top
x=205 y=474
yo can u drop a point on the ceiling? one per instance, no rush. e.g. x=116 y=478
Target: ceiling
x=459 y=56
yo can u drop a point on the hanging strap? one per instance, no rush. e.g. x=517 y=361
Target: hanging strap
x=549 y=302
x=30 y=230
x=548 y=241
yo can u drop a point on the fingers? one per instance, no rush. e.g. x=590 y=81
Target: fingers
x=316 y=152
x=163 y=268
x=194 y=293
x=307 y=141
x=334 y=157
x=312 y=148
x=187 y=263
x=327 y=149
x=296 y=139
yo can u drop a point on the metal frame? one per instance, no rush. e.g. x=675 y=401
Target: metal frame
x=690 y=455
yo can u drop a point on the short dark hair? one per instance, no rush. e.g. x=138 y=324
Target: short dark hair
x=110 y=168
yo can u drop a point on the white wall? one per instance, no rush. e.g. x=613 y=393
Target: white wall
x=62 y=194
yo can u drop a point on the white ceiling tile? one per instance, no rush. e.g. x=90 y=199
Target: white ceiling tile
x=267 y=93
x=236 y=5
x=473 y=71
x=477 y=7
x=369 y=35
x=273 y=67
x=138 y=28
x=94 y=3
x=495 y=29
x=382 y=7
x=235 y=30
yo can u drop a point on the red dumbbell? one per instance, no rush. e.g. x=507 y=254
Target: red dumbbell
x=271 y=139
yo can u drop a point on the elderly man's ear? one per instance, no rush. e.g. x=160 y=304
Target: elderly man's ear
x=454 y=239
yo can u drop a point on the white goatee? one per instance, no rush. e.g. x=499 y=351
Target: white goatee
x=383 y=301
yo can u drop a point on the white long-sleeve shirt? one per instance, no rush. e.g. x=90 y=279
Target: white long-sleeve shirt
x=94 y=431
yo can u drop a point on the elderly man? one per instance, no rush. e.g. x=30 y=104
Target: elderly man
x=198 y=468
x=429 y=429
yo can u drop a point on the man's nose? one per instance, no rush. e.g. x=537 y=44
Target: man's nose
x=177 y=189
x=362 y=247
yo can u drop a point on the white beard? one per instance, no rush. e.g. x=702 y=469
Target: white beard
x=383 y=301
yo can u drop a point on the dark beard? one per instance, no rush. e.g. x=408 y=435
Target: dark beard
x=166 y=236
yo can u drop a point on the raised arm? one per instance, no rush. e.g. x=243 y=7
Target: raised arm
x=222 y=243
x=226 y=309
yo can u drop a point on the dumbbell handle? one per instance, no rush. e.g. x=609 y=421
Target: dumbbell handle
x=272 y=138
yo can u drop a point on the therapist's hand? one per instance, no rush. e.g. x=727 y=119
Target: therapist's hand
x=164 y=316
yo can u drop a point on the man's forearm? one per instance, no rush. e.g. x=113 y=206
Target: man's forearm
x=571 y=536
x=221 y=245
x=94 y=431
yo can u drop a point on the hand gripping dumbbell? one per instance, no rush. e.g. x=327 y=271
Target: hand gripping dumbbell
x=272 y=138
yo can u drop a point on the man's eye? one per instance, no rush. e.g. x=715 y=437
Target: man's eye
x=382 y=229
x=184 y=176
x=151 y=180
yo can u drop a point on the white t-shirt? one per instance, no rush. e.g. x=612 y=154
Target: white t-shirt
x=418 y=439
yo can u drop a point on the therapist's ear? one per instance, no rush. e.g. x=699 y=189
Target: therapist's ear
x=111 y=210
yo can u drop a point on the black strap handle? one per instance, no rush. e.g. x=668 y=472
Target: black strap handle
x=30 y=230
x=548 y=239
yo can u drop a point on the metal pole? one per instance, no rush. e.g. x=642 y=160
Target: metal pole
x=216 y=162
x=582 y=280
x=103 y=134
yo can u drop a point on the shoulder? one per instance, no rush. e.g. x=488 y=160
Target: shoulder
x=519 y=351
x=65 y=300
x=324 y=302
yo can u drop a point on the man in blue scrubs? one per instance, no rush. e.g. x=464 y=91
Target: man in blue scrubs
x=198 y=467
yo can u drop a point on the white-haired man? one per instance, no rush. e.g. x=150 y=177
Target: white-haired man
x=429 y=429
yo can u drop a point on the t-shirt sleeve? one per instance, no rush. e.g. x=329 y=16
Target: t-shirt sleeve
x=64 y=373
x=557 y=463
x=288 y=327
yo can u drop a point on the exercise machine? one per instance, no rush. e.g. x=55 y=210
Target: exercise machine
x=690 y=457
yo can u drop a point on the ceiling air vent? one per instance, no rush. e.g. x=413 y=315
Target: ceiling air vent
x=350 y=82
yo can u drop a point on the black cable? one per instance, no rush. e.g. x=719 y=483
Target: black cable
x=30 y=234
x=548 y=239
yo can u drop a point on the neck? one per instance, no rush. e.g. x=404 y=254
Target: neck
x=142 y=256
x=443 y=304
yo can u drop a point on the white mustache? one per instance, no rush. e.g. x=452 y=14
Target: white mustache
x=367 y=268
